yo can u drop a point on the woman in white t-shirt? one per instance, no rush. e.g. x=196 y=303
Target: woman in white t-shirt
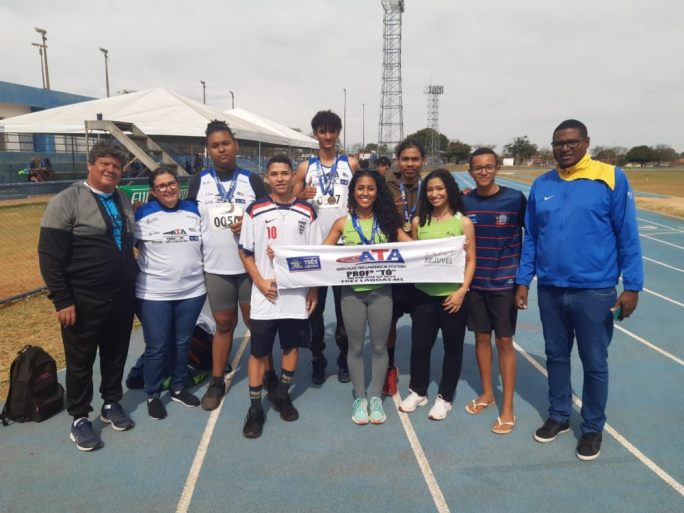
x=170 y=290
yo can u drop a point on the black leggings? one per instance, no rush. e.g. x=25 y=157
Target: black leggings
x=428 y=317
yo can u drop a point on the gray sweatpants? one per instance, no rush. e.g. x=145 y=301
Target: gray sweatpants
x=374 y=307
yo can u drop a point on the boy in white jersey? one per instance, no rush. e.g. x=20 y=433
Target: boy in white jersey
x=222 y=193
x=323 y=181
x=271 y=221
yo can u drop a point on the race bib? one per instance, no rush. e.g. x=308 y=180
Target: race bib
x=223 y=215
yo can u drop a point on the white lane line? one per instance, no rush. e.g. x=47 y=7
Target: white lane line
x=679 y=230
x=198 y=461
x=676 y=485
x=656 y=233
x=674 y=302
x=662 y=263
x=650 y=345
x=433 y=486
x=661 y=241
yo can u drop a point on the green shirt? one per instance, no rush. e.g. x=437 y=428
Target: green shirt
x=351 y=238
x=451 y=227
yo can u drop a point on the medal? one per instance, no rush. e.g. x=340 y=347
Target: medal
x=319 y=200
x=331 y=200
x=407 y=227
x=230 y=207
x=408 y=215
x=226 y=195
x=357 y=226
x=327 y=183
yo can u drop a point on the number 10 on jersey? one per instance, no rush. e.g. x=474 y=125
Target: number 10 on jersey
x=271 y=232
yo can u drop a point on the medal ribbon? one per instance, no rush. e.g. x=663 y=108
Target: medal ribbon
x=407 y=216
x=226 y=196
x=327 y=186
x=357 y=226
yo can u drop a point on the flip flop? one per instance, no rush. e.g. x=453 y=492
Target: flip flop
x=475 y=407
x=503 y=428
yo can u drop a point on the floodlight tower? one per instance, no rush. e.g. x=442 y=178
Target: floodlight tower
x=391 y=127
x=433 y=92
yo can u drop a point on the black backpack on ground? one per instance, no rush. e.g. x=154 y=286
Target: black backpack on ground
x=34 y=392
x=200 y=350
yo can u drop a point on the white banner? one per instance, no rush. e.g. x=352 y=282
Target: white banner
x=424 y=261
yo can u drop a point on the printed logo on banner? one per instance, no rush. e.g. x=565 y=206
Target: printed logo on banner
x=439 y=258
x=305 y=263
x=374 y=256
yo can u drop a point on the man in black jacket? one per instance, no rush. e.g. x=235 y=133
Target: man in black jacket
x=86 y=259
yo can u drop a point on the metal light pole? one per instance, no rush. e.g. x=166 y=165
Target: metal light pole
x=232 y=99
x=344 y=123
x=106 y=55
x=204 y=91
x=363 y=127
x=43 y=34
x=42 y=66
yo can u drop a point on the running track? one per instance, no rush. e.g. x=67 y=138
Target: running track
x=199 y=462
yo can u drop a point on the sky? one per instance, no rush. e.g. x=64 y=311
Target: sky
x=509 y=68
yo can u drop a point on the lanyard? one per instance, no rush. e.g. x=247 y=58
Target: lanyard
x=327 y=186
x=226 y=196
x=357 y=226
x=407 y=216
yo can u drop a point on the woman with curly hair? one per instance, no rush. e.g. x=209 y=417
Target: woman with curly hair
x=372 y=219
x=439 y=305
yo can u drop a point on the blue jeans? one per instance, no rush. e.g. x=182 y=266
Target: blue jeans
x=167 y=326
x=584 y=314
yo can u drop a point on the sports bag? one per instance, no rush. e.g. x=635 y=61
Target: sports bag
x=200 y=351
x=34 y=392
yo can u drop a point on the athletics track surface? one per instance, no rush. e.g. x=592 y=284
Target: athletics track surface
x=199 y=462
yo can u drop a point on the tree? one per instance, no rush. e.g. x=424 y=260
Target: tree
x=457 y=151
x=664 y=153
x=521 y=149
x=424 y=136
x=371 y=148
x=641 y=154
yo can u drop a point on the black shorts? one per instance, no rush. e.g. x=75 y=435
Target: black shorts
x=402 y=299
x=492 y=310
x=291 y=332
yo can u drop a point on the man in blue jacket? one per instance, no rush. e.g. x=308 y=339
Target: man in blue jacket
x=581 y=235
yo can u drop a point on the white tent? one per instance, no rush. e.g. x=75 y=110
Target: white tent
x=272 y=126
x=157 y=112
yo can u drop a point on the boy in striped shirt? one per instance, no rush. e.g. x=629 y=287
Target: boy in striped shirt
x=497 y=213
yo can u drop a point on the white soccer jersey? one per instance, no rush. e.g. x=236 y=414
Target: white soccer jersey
x=170 y=258
x=329 y=210
x=219 y=245
x=269 y=223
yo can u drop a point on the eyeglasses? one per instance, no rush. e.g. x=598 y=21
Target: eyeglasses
x=489 y=168
x=163 y=187
x=570 y=143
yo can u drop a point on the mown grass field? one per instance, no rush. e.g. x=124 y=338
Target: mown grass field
x=32 y=320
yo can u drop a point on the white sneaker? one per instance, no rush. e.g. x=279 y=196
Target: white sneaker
x=412 y=401
x=440 y=409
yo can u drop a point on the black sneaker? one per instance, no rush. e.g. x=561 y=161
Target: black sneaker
x=254 y=423
x=589 y=446
x=550 y=430
x=155 y=408
x=83 y=436
x=283 y=405
x=185 y=398
x=318 y=370
x=114 y=414
x=342 y=370
x=212 y=397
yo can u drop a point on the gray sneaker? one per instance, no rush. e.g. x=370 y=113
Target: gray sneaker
x=114 y=414
x=212 y=397
x=83 y=436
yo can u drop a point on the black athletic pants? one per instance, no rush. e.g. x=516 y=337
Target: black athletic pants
x=318 y=324
x=428 y=317
x=102 y=322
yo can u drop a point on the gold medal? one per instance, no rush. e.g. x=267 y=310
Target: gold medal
x=407 y=226
x=331 y=200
